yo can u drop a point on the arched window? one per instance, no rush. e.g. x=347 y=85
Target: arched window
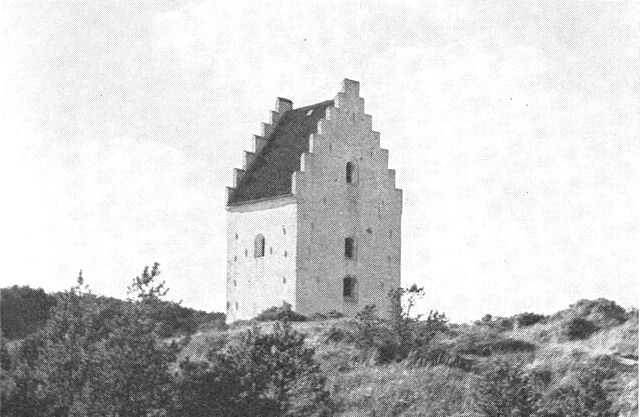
x=350 y=173
x=349 y=248
x=258 y=246
x=349 y=288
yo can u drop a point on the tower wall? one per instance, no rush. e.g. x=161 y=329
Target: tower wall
x=330 y=209
x=257 y=283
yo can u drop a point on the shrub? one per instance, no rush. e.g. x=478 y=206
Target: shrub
x=272 y=374
x=529 y=319
x=335 y=314
x=505 y=390
x=584 y=394
x=338 y=334
x=578 y=328
x=283 y=312
x=485 y=342
x=317 y=317
x=601 y=311
x=23 y=310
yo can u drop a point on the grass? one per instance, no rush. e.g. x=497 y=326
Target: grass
x=360 y=388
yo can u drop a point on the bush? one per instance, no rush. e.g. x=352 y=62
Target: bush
x=485 y=342
x=335 y=314
x=601 y=312
x=585 y=394
x=505 y=390
x=338 y=334
x=271 y=374
x=23 y=310
x=578 y=329
x=281 y=313
x=529 y=319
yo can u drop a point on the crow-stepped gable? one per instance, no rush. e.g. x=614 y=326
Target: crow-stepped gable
x=313 y=217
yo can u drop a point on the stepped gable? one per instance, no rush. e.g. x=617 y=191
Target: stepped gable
x=268 y=173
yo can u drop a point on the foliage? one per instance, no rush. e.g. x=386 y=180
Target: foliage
x=484 y=341
x=271 y=374
x=394 y=338
x=283 y=312
x=584 y=395
x=578 y=328
x=23 y=310
x=505 y=390
x=529 y=319
x=86 y=363
x=333 y=314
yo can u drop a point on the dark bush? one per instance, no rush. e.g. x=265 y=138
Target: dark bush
x=586 y=394
x=23 y=310
x=485 y=342
x=281 y=313
x=504 y=389
x=271 y=374
x=529 y=319
x=579 y=328
x=335 y=314
x=601 y=311
x=337 y=334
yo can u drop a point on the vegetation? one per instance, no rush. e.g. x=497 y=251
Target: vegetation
x=283 y=312
x=91 y=357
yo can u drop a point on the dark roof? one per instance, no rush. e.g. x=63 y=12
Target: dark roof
x=269 y=175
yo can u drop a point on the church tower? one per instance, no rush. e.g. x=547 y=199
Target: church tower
x=313 y=217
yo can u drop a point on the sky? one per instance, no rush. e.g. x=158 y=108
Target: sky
x=513 y=127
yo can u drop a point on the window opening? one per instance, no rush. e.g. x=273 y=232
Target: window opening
x=349 y=287
x=350 y=173
x=258 y=246
x=349 y=248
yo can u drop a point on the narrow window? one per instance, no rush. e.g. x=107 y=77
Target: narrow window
x=235 y=258
x=228 y=305
x=349 y=287
x=246 y=253
x=285 y=254
x=235 y=283
x=350 y=173
x=236 y=236
x=258 y=246
x=284 y=280
x=349 y=248
x=284 y=231
x=270 y=250
x=236 y=305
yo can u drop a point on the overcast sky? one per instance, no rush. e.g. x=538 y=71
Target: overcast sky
x=514 y=130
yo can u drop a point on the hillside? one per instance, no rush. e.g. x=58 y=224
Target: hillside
x=443 y=381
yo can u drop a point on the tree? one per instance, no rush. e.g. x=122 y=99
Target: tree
x=86 y=363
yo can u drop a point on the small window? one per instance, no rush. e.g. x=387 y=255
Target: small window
x=228 y=305
x=349 y=248
x=236 y=236
x=349 y=287
x=235 y=283
x=258 y=246
x=246 y=253
x=270 y=250
x=309 y=112
x=285 y=254
x=236 y=305
x=284 y=231
x=350 y=173
x=284 y=280
x=235 y=258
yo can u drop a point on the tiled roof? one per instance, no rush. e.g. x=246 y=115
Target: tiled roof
x=269 y=175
